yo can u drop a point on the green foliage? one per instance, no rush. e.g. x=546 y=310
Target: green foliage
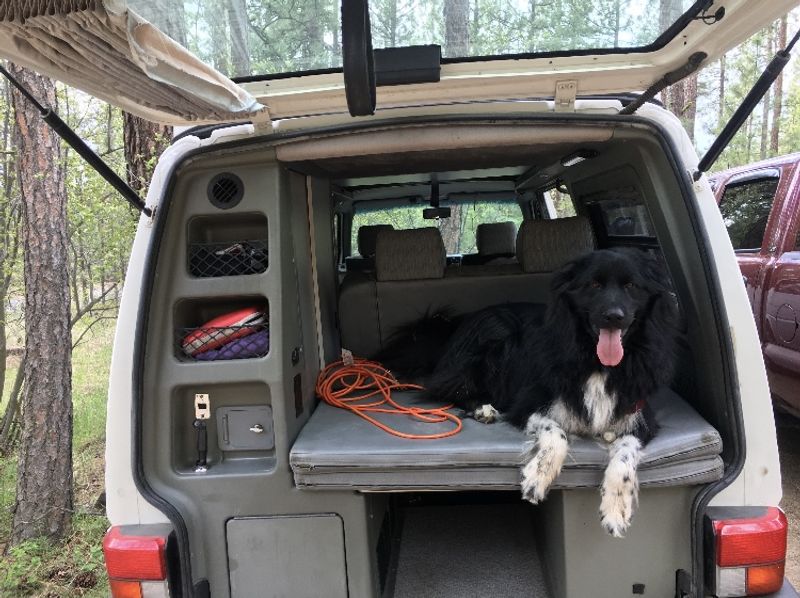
x=74 y=567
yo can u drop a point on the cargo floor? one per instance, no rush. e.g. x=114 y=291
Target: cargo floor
x=469 y=551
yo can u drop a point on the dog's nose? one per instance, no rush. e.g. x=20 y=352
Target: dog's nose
x=613 y=316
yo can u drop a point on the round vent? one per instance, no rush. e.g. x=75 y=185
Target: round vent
x=225 y=190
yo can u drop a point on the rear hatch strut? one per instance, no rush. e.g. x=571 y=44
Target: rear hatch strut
x=749 y=103
x=79 y=145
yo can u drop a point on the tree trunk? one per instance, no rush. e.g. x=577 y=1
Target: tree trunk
x=765 y=103
x=456 y=28
x=240 y=48
x=777 y=103
x=144 y=141
x=456 y=43
x=44 y=475
x=721 y=107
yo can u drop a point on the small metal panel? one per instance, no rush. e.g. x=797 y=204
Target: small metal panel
x=272 y=557
x=246 y=428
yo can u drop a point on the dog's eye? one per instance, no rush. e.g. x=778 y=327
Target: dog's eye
x=595 y=284
x=630 y=285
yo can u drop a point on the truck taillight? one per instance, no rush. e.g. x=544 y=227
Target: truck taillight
x=748 y=551
x=136 y=562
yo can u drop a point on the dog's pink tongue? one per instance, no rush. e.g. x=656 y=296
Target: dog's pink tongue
x=609 y=346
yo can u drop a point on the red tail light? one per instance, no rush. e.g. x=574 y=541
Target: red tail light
x=137 y=562
x=749 y=552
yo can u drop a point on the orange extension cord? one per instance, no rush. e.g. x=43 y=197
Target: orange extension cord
x=352 y=386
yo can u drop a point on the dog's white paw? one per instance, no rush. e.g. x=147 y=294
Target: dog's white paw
x=486 y=414
x=615 y=522
x=620 y=490
x=543 y=457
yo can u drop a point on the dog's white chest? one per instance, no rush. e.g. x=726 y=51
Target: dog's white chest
x=599 y=403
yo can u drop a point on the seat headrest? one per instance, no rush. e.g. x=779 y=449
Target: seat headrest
x=546 y=245
x=409 y=254
x=367 y=237
x=496 y=238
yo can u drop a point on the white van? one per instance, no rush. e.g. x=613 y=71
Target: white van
x=227 y=477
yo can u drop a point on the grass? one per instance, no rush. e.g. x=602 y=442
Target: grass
x=74 y=566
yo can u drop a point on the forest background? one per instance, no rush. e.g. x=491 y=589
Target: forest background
x=274 y=36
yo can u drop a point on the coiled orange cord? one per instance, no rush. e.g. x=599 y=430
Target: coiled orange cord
x=352 y=386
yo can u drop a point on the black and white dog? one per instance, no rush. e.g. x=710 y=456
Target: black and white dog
x=585 y=366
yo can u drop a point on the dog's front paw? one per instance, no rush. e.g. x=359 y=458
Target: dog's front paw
x=546 y=456
x=486 y=414
x=534 y=484
x=615 y=521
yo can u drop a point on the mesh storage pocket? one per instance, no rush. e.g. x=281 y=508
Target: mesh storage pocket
x=208 y=260
x=214 y=342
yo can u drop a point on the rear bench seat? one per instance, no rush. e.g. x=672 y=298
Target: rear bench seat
x=411 y=279
x=338 y=450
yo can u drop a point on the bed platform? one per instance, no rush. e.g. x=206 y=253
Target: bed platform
x=338 y=450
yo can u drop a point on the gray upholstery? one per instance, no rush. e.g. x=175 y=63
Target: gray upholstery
x=337 y=449
x=368 y=238
x=414 y=254
x=413 y=281
x=546 y=245
x=496 y=238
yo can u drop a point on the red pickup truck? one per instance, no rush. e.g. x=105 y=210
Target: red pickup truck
x=760 y=204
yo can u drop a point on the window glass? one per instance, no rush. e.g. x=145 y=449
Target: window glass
x=559 y=203
x=249 y=37
x=458 y=231
x=745 y=209
x=626 y=218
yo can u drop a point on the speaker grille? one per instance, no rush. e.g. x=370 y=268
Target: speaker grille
x=225 y=190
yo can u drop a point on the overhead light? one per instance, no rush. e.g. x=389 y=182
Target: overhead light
x=577 y=157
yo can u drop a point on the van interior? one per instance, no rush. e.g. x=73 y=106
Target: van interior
x=318 y=243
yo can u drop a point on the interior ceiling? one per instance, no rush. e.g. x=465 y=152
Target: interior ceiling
x=437 y=160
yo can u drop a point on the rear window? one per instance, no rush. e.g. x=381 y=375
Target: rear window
x=458 y=231
x=745 y=209
x=260 y=37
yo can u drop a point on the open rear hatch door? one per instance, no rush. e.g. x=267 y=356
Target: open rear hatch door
x=109 y=51
x=292 y=62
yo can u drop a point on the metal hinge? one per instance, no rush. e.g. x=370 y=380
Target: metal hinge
x=566 y=92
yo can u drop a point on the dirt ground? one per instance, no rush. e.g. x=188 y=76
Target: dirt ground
x=789 y=447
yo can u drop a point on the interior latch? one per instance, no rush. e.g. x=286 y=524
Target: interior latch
x=566 y=91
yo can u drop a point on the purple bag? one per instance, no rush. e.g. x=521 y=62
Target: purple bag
x=252 y=345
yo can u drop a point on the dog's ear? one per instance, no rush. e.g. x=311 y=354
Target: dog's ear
x=654 y=271
x=565 y=275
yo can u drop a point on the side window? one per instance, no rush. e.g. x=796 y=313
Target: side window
x=625 y=218
x=559 y=202
x=745 y=209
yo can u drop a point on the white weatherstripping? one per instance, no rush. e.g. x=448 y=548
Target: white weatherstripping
x=124 y=504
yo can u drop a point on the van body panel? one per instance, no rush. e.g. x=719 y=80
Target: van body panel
x=299 y=212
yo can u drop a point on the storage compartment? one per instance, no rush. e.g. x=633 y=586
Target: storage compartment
x=240 y=428
x=221 y=329
x=232 y=245
x=273 y=557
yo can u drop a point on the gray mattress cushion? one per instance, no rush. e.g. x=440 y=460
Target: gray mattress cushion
x=337 y=449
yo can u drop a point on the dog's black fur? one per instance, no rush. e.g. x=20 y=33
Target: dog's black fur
x=543 y=373
x=508 y=357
